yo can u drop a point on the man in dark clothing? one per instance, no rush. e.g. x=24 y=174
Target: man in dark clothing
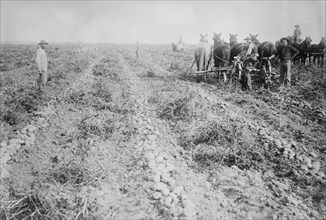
x=285 y=53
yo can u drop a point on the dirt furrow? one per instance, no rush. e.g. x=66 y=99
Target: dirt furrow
x=158 y=152
x=254 y=119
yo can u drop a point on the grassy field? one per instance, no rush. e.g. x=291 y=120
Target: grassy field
x=102 y=140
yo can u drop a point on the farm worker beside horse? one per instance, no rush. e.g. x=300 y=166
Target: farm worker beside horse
x=42 y=64
x=297 y=34
x=286 y=54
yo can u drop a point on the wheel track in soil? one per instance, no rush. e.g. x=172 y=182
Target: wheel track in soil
x=208 y=202
x=122 y=194
x=157 y=149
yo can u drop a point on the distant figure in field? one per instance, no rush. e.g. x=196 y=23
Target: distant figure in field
x=297 y=34
x=137 y=49
x=42 y=65
x=180 y=40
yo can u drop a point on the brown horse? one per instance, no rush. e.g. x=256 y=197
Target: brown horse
x=303 y=48
x=254 y=38
x=221 y=51
x=236 y=47
x=318 y=52
x=233 y=39
x=203 y=54
x=266 y=49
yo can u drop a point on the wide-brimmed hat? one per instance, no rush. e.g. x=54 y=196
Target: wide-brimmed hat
x=297 y=25
x=285 y=38
x=43 y=42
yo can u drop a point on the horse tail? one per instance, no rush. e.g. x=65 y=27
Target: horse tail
x=197 y=57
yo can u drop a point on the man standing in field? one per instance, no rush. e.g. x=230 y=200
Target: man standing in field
x=137 y=49
x=286 y=54
x=42 y=65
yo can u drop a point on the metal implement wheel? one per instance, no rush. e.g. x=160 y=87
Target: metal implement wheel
x=245 y=80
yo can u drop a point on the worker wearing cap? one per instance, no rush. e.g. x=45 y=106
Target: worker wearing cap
x=252 y=48
x=42 y=65
x=251 y=53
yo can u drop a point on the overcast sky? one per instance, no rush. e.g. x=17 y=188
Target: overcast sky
x=158 y=21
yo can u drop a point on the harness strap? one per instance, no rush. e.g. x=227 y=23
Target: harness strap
x=265 y=46
x=221 y=58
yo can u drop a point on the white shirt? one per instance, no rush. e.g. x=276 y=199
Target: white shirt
x=250 y=48
x=41 y=60
x=297 y=32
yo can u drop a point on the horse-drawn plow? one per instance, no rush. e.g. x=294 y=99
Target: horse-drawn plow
x=214 y=72
x=249 y=76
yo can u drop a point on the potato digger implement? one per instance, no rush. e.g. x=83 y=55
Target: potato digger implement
x=250 y=73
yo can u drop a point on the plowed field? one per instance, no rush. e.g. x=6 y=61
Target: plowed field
x=113 y=137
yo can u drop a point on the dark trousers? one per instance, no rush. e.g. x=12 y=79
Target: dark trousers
x=285 y=73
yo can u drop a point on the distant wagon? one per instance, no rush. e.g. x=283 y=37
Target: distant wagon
x=177 y=47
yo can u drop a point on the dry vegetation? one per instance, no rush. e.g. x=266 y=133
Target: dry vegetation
x=280 y=135
x=247 y=134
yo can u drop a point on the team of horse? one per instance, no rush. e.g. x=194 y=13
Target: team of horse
x=223 y=53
